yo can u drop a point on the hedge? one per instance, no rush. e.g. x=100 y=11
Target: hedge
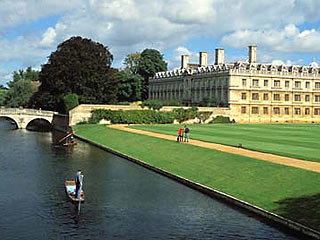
x=132 y=116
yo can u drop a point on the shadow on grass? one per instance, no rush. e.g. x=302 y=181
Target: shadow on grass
x=304 y=210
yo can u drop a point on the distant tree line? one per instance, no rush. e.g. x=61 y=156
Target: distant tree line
x=80 y=71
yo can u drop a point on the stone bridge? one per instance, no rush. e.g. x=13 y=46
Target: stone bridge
x=22 y=117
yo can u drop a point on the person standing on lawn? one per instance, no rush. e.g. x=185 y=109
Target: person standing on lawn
x=180 y=135
x=186 y=134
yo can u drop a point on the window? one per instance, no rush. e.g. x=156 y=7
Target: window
x=297 y=84
x=297 y=97
x=286 y=97
x=266 y=83
x=297 y=111
x=243 y=96
x=265 y=96
x=276 y=97
x=255 y=82
x=265 y=110
x=276 y=83
x=255 y=110
x=255 y=96
x=244 y=82
x=317 y=98
x=243 y=109
x=286 y=84
x=307 y=84
x=307 y=111
x=307 y=97
x=276 y=110
x=286 y=111
x=317 y=85
x=317 y=111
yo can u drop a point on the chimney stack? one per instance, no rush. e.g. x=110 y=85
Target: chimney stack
x=219 y=56
x=203 y=59
x=184 y=61
x=253 y=54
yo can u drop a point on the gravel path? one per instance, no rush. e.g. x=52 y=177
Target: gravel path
x=293 y=162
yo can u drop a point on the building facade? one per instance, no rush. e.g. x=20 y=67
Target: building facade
x=254 y=92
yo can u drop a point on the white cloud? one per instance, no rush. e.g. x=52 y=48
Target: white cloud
x=13 y=13
x=127 y=26
x=188 y=11
x=48 y=37
x=289 y=39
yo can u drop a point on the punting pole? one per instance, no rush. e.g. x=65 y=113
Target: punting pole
x=79 y=206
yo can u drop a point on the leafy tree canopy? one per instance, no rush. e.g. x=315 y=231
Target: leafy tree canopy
x=3 y=94
x=79 y=66
x=129 y=86
x=131 y=62
x=150 y=63
x=19 y=93
x=26 y=75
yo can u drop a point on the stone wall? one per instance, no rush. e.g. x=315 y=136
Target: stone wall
x=83 y=112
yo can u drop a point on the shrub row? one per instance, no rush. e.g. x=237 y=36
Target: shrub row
x=152 y=116
x=132 y=116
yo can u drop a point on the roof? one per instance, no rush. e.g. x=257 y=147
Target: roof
x=241 y=66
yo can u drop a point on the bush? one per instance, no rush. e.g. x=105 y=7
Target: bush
x=123 y=103
x=152 y=104
x=131 y=116
x=70 y=101
x=182 y=115
x=222 y=119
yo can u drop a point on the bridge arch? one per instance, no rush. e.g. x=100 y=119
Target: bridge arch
x=32 y=120
x=13 y=119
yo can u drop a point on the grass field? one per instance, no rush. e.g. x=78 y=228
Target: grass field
x=292 y=140
x=291 y=192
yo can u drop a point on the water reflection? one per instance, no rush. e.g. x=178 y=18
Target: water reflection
x=123 y=200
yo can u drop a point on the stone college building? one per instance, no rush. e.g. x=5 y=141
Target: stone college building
x=254 y=92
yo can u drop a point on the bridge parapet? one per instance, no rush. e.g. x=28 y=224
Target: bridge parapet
x=27 y=111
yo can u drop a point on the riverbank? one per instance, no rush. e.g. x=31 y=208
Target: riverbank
x=286 y=191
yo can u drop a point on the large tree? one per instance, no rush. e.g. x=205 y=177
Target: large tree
x=22 y=86
x=25 y=75
x=19 y=93
x=130 y=81
x=3 y=94
x=150 y=63
x=80 y=66
x=129 y=86
x=132 y=62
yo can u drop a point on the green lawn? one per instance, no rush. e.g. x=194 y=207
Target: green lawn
x=291 y=192
x=293 y=140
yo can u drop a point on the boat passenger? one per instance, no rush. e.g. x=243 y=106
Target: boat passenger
x=79 y=181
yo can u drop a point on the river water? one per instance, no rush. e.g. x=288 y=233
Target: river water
x=123 y=200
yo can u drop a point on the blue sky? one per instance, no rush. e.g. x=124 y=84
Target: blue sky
x=286 y=31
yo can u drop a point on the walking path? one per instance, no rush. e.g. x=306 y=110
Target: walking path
x=293 y=162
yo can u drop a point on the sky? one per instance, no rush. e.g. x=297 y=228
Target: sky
x=285 y=31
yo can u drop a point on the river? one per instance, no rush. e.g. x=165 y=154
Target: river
x=123 y=200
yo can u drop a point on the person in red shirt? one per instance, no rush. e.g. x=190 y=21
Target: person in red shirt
x=180 y=135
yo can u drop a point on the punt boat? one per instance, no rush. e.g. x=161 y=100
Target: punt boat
x=70 y=187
